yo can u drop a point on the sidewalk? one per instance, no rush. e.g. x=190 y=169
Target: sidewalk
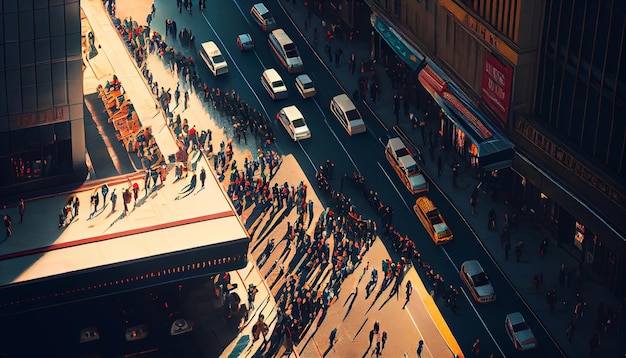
x=424 y=310
x=520 y=274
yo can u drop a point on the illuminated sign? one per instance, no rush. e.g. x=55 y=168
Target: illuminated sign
x=496 y=88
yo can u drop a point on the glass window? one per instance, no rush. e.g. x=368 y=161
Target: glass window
x=58 y=72
x=72 y=18
x=57 y=48
x=74 y=45
x=13 y=79
x=59 y=93
x=12 y=55
x=42 y=50
x=28 y=76
x=3 y=103
x=63 y=130
x=75 y=90
x=32 y=138
x=43 y=74
x=42 y=25
x=44 y=95
x=27 y=52
x=26 y=5
x=75 y=70
x=46 y=133
x=10 y=26
x=57 y=17
x=26 y=25
x=10 y=6
x=29 y=98
x=14 y=101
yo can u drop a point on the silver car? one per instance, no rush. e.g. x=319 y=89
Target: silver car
x=477 y=281
x=522 y=337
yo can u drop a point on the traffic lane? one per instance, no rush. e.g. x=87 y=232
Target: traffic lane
x=465 y=247
x=382 y=195
x=462 y=250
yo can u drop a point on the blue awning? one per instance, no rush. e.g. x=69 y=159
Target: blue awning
x=406 y=52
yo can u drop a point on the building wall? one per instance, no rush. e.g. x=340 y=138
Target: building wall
x=41 y=92
x=582 y=79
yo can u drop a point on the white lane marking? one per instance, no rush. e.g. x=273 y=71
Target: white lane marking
x=418 y=331
x=471 y=302
x=261 y=103
x=237 y=66
x=394 y=187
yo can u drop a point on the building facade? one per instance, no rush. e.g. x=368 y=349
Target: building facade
x=42 y=140
x=546 y=76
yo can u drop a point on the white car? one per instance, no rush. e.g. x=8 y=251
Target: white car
x=294 y=123
x=305 y=86
x=522 y=337
x=477 y=281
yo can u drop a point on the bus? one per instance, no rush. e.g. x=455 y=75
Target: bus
x=432 y=220
x=285 y=50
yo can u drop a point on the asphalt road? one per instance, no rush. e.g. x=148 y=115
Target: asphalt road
x=221 y=23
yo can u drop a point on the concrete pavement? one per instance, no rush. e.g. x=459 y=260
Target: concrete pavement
x=521 y=274
x=423 y=309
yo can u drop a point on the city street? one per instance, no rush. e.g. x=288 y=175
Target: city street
x=446 y=329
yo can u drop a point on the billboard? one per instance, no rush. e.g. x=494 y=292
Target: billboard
x=496 y=88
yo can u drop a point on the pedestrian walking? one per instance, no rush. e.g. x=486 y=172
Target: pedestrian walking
x=252 y=291
x=455 y=174
x=22 y=207
x=76 y=205
x=8 y=225
x=202 y=176
x=420 y=347
x=186 y=100
x=105 y=192
x=352 y=64
x=113 y=200
x=439 y=166
x=409 y=290
x=376 y=327
x=396 y=108
x=177 y=94
x=384 y=340
x=332 y=336
x=371 y=338
x=476 y=347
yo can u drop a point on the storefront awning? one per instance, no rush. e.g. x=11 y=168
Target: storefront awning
x=406 y=52
x=495 y=151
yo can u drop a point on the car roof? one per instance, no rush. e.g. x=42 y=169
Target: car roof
x=344 y=102
x=515 y=318
x=292 y=113
x=261 y=8
x=245 y=37
x=272 y=75
x=304 y=78
x=472 y=267
x=396 y=143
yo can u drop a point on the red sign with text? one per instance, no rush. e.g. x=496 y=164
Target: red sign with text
x=497 y=81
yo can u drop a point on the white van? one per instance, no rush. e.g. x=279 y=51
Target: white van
x=347 y=114
x=293 y=121
x=286 y=51
x=274 y=84
x=213 y=58
x=263 y=17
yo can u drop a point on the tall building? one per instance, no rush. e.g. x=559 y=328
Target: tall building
x=42 y=140
x=532 y=91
